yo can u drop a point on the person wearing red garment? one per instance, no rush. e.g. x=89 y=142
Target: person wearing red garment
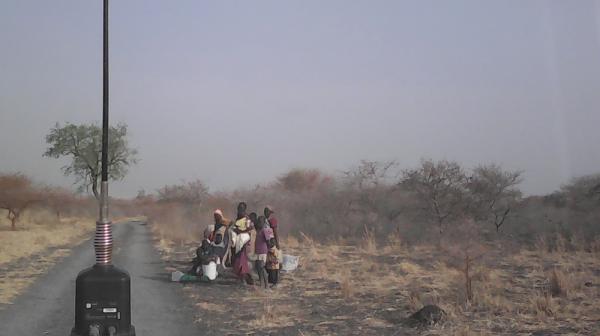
x=272 y=222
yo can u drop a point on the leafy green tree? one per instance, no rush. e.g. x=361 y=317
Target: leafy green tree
x=83 y=144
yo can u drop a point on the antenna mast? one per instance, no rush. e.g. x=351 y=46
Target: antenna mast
x=103 y=242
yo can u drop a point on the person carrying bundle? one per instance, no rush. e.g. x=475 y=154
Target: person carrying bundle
x=272 y=223
x=274 y=256
x=219 y=238
x=241 y=235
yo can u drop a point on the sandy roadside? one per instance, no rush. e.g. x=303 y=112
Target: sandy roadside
x=35 y=247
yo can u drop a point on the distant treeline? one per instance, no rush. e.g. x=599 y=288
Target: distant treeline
x=431 y=201
x=18 y=194
x=428 y=202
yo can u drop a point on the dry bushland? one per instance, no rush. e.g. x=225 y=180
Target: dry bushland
x=17 y=194
x=377 y=245
x=425 y=203
x=38 y=226
x=344 y=289
x=40 y=241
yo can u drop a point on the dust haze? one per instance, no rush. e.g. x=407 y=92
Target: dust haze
x=424 y=168
x=238 y=94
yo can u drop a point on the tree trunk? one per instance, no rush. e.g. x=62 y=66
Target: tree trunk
x=12 y=216
x=502 y=219
x=95 y=188
x=468 y=284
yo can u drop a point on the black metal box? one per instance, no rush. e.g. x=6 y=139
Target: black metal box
x=103 y=302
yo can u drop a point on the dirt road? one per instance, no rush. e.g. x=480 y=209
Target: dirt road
x=158 y=306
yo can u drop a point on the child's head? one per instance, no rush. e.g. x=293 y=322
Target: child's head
x=260 y=222
x=252 y=217
x=241 y=209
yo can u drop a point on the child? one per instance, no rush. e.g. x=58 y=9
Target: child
x=261 y=249
x=273 y=266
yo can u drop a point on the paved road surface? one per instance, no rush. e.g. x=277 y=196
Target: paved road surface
x=158 y=306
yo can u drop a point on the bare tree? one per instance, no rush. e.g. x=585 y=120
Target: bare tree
x=440 y=189
x=372 y=191
x=298 y=180
x=59 y=200
x=16 y=195
x=583 y=193
x=494 y=193
x=191 y=193
x=371 y=174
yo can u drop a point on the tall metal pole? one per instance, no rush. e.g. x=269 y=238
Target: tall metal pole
x=105 y=97
x=103 y=291
x=103 y=241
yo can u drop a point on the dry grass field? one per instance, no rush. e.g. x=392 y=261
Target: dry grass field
x=372 y=289
x=38 y=243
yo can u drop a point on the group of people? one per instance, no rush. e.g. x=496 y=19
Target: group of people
x=248 y=242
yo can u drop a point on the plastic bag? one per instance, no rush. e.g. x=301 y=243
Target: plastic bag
x=176 y=276
x=289 y=262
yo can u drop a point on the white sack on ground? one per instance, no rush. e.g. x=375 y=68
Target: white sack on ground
x=210 y=270
x=289 y=262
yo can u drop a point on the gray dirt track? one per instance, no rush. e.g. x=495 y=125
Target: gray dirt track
x=158 y=306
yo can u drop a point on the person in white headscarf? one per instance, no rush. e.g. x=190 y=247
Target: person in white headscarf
x=218 y=237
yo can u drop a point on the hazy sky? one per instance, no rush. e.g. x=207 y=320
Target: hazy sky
x=236 y=93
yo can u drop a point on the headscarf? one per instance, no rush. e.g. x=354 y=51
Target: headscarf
x=223 y=220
